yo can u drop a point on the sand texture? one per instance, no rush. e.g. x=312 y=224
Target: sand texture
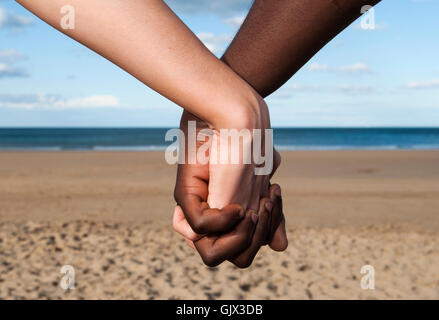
x=109 y=216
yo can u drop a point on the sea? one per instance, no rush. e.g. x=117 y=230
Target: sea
x=151 y=139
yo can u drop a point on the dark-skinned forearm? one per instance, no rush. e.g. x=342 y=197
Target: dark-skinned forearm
x=279 y=36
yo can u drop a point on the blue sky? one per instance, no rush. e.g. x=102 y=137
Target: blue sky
x=383 y=77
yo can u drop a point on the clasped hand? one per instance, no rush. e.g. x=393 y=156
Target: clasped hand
x=227 y=212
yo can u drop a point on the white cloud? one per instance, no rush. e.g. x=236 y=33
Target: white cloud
x=338 y=43
x=12 y=20
x=355 y=68
x=2 y=17
x=314 y=66
x=288 y=91
x=55 y=102
x=355 y=89
x=215 y=43
x=303 y=87
x=429 y=84
x=235 y=22
x=8 y=71
x=97 y=101
x=7 y=68
x=11 y=55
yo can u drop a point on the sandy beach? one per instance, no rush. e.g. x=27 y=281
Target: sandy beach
x=108 y=214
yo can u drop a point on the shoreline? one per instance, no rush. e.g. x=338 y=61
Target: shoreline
x=163 y=148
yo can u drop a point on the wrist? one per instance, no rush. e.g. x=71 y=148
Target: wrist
x=245 y=112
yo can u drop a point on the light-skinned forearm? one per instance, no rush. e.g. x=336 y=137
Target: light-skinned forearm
x=145 y=38
x=149 y=41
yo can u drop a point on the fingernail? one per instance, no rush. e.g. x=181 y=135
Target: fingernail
x=278 y=192
x=255 y=217
x=268 y=206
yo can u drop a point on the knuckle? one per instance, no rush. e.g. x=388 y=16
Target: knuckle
x=192 y=237
x=210 y=258
x=199 y=226
x=243 y=263
x=211 y=263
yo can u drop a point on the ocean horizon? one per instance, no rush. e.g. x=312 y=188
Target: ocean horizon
x=153 y=139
